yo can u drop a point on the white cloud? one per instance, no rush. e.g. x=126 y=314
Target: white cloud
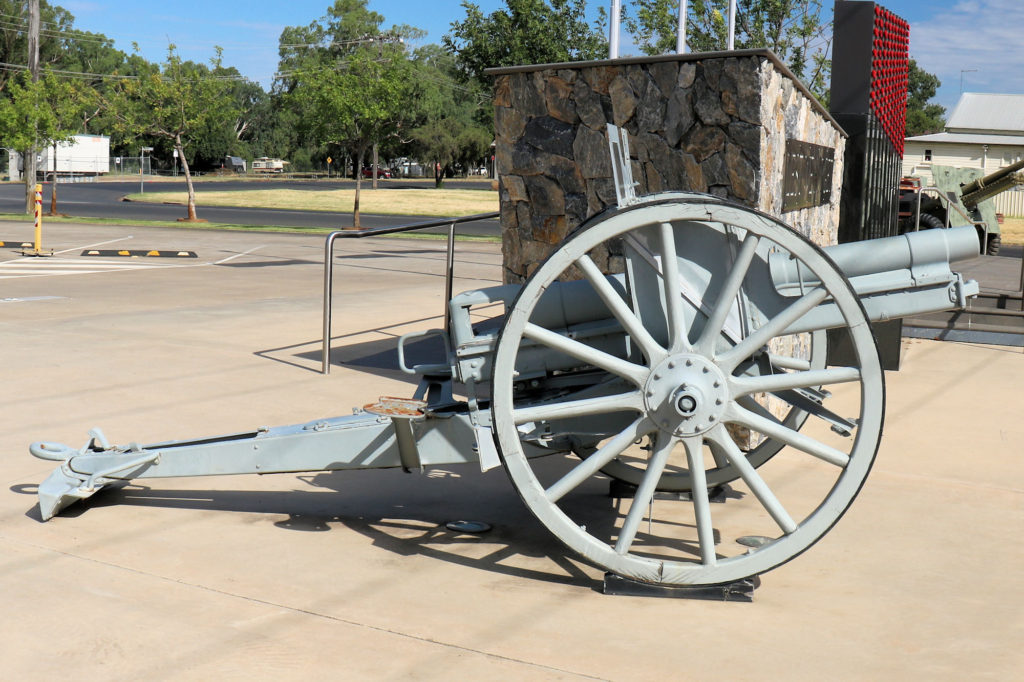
x=985 y=35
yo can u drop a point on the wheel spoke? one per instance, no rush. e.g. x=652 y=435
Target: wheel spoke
x=606 y=453
x=772 y=328
x=716 y=321
x=718 y=455
x=786 y=362
x=762 y=492
x=579 y=408
x=699 y=495
x=645 y=492
x=630 y=322
x=769 y=383
x=771 y=427
x=677 y=338
x=588 y=354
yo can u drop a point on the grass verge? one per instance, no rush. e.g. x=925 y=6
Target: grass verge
x=1012 y=231
x=395 y=201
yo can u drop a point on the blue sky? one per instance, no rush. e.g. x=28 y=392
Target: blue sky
x=980 y=41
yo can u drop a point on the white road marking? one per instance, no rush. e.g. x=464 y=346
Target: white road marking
x=47 y=267
x=56 y=267
x=244 y=253
x=89 y=246
x=24 y=299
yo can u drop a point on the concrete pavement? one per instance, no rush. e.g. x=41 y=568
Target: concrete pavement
x=353 y=576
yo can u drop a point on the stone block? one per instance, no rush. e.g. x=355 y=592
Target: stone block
x=545 y=196
x=513 y=189
x=590 y=151
x=550 y=135
x=558 y=97
x=623 y=101
x=704 y=141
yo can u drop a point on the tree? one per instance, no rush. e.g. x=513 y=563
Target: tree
x=355 y=102
x=525 y=32
x=448 y=113
x=792 y=29
x=923 y=116
x=53 y=41
x=175 y=104
x=347 y=81
x=68 y=102
x=28 y=121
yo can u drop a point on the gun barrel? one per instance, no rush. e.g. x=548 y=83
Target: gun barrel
x=906 y=261
x=973 y=193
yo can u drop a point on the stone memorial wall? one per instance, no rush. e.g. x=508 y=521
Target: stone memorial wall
x=712 y=122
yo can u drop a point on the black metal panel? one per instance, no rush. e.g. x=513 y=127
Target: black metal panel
x=807 y=177
x=869 y=206
x=851 y=57
x=869 y=100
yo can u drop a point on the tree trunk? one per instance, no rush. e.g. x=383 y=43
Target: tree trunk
x=375 y=165
x=188 y=179
x=53 y=177
x=358 y=184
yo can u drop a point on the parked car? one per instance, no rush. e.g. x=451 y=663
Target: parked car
x=381 y=172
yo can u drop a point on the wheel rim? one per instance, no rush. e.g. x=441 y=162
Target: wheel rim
x=685 y=386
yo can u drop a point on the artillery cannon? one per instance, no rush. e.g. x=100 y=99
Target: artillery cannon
x=676 y=345
x=957 y=204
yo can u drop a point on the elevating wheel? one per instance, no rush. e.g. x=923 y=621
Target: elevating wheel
x=714 y=363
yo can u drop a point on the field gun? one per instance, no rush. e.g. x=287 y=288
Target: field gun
x=956 y=203
x=675 y=346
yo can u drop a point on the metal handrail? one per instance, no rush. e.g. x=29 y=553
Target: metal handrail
x=949 y=205
x=377 y=231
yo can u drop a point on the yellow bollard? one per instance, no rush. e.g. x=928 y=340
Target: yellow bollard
x=39 y=218
x=38 y=250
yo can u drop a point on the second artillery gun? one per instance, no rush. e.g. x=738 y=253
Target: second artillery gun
x=958 y=200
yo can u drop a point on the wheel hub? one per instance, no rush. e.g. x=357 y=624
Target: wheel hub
x=686 y=395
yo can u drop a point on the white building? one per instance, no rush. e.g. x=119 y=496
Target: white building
x=83 y=156
x=984 y=131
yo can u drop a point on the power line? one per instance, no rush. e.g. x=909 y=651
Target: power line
x=6 y=66
x=85 y=35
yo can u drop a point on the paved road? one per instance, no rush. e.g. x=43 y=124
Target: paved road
x=103 y=200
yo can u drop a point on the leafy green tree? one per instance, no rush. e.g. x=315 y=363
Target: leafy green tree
x=524 y=32
x=347 y=26
x=923 y=116
x=346 y=83
x=68 y=102
x=355 y=102
x=223 y=136
x=176 y=104
x=448 y=127
x=37 y=114
x=57 y=22
x=792 y=29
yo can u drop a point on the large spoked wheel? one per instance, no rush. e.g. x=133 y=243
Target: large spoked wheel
x=708 y=338
x=628 y=470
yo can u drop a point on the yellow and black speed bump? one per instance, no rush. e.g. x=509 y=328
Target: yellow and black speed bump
x=139 y=253
x=15 y=244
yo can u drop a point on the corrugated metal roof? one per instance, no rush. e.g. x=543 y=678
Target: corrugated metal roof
x=970 y=138
x=986 y=111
